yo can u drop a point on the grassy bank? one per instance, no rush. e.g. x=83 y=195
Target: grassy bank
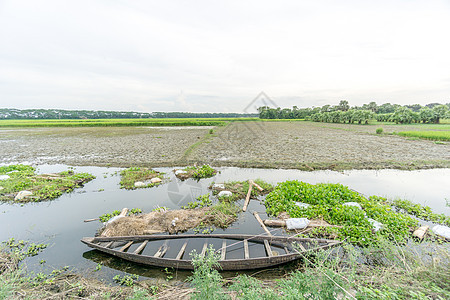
x=385 y=271
x=428 y=135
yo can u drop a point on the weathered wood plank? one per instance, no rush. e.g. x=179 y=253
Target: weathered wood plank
x=141 y=247
x=261 y=223
x=205 y=246
x=234 y=264
x=257 y=186
x=249 y=193
x=255 y=238
x=275 y=223
x=126 y=246
x=301 y=246
x=109 y=244
x=287 y=250
x=224 y=250
x=246 y=252
x=183 y=248
x=162 y=250
x=268 y=249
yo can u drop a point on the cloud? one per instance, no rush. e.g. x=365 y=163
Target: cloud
x=139 y=55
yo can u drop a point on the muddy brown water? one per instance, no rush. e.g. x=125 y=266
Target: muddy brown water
x=59 y=223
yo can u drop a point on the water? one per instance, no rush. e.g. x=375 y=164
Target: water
x=59 y=223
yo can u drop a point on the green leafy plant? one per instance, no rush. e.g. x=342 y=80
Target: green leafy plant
x=379 y=130
x=127 y=280
x=205 y=171
x=22 y=249
x=105 y=217
x=326 y=202
x=420 y=211
x=203 y=201
x=205 y=278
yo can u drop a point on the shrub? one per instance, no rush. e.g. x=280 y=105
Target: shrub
x=379 y=130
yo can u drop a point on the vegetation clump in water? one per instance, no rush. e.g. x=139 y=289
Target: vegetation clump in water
x=221 y=214
x=135 y=177
x=36 y=188
x=204 y=171
x=105 y=217
x=203 y=201
x=326 y=201
x=239 y=189
x=420 y=211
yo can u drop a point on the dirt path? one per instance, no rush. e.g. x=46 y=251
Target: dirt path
x=302 y=145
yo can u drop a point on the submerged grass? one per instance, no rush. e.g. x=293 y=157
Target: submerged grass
x=428 y=135
x=17 y=178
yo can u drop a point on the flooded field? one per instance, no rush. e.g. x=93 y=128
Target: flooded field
x=299 y=145
x=59 y=223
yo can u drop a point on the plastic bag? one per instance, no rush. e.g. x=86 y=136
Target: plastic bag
x=442 y=230
x=297 y=223
x=225 y=194
x=375 y=224
x=302 y=205
x=113 y=219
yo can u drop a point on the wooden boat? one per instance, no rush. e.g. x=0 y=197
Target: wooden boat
x=237 y=251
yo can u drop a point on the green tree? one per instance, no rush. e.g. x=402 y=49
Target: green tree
x=343 y=105
x=440 y=112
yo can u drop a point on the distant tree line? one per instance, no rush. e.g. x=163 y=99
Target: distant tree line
x=343 y=113
x=201 y=115
x=11 y=113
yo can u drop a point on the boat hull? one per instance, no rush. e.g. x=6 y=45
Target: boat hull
x=225 y=264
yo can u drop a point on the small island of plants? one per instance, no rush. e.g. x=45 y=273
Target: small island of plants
x=136 y=177
x=196 y=172
x=21 y=184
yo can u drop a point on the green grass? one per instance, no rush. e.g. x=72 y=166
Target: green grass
x=43 y=187
x=122 y=122
x=199 y=172
x=428 y=135
x=223 y=213
x=135 y=174
x=385 y=271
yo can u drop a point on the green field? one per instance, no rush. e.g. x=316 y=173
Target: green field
x=121 y=122
x=429 y=135
x=444 y=125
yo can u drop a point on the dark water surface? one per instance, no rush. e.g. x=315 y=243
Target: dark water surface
x=59 y=223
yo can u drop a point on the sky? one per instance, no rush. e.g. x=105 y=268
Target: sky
x=217 y=56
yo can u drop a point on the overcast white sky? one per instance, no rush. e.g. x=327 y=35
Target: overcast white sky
x=216 y=56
